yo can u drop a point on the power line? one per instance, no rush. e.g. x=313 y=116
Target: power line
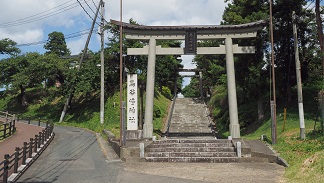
x=87 y=11
x=89 y=7
x=102 y=16
x=68 y=36
x=15 y=21
x=314 y=5
x=310 y=4
x=41 y=15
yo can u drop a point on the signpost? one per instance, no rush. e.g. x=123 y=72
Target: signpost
x=132 y=100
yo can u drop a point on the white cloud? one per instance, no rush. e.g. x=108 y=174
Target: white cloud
x=76 y=46
x=25 y=36
x=169 y=12
x=28 y=20
x=74 y=19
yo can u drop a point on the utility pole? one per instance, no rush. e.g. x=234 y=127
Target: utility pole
x=273 y=102
x=299 y=83
x=68 y=101
x=102 y=65
x=121 y=142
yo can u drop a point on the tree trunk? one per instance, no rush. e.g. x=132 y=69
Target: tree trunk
x=23 y=99
x=260 y=109
x=320 y=30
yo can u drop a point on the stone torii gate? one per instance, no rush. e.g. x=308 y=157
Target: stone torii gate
x=191 y=34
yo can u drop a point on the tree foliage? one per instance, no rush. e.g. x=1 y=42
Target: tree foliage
x=252 y=81
x=56 y=44
x=166 y=72
x=8 y=46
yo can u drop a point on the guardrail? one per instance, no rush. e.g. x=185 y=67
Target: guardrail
x=13 y=165
x=7 y=124
x=170 y=114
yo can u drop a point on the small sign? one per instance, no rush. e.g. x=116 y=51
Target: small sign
x=191 y=42
x=132 y=112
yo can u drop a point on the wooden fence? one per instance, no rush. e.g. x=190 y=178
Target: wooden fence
x=25 y=155
x=7 y=124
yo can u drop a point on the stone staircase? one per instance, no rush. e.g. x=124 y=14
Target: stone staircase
x=204 y=150
x=191 y=139
x=189 y=118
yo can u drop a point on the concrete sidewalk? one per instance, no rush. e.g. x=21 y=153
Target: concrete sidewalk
x=23 y=134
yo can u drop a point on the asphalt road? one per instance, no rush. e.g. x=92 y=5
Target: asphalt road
x=75 y=156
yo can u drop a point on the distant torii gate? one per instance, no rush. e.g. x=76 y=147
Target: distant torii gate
x=191 y=34
x=196 y=76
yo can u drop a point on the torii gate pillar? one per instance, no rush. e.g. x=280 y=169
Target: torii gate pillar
x=234 y=126
x=149 y=101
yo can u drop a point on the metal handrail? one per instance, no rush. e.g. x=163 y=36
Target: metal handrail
x=170 y=114
x=11 y=162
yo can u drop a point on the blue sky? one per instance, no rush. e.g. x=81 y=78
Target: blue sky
x=70 y=18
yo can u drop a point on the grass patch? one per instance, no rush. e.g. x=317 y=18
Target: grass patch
x=305 y=157
x=84 y=112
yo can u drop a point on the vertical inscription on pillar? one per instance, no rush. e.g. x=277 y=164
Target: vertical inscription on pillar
x=191 y=42
x=132 y=122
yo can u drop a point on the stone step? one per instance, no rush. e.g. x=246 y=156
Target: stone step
x=209 y=135
x=193 y=159
x=192 y=140
x=189 y=128
x=190 y=124
x=191 y=154
x=189 y=131
x=207 y=159
x=190 y=145
x=191 y=149
x=205 y=141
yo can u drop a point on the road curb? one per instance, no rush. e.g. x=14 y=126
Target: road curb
x=107 y=150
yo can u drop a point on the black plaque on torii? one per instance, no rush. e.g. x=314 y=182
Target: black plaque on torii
x=191 y=42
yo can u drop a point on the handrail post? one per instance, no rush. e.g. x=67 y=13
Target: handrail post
x=10 y=126
x=47 y=133
x=35 y=143
x=14 y=122
x=39 y=139
x=6 y=168
x=46 y=124
x=30 y=147
x=24 y=157
x=28 y=119
x=4 y=130
x=39 y=120
x=16 y=160
x=43 y=136
x=7 y=116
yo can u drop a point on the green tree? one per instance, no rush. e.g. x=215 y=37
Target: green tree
x=250 y=80
x=166 y=66
x=192 y=89
x=22 y=72
x=8 y=46
x=56 y=44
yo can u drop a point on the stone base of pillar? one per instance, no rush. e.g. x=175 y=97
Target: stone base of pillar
x=148 y=130
x=134 y=134
x=235 y=130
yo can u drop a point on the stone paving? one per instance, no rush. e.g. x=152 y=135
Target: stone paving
x=23 y=134
x=189 y=116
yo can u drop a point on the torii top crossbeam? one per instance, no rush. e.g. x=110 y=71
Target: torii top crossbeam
x=179 y=32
